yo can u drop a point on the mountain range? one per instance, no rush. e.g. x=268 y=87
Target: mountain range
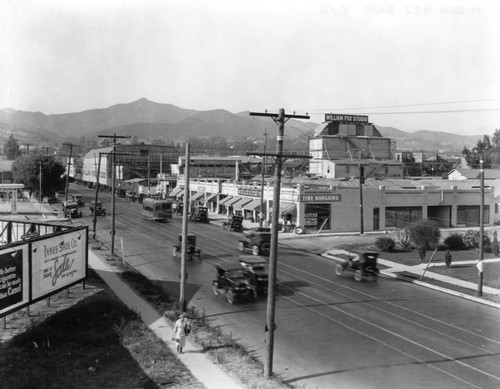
x=149 y=120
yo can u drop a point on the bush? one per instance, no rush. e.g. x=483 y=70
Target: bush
x=455 y=242
x=471 y=239
x=404 y=238
x=385 y=244
x=494 y=245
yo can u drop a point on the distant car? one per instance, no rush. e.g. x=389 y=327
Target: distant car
x=232 y=281
x=77 y=198
x=257 y=240
x=199 y=214
x=70 y=209
x=98 y=210
x=363 y=265
x=132 y=196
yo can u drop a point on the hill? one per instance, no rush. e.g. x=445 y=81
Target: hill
x=150 y=120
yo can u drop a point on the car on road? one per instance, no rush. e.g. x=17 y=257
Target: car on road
x=70 y=209
x=257 y=240
x=256 y=271
x=234 y=283
x=363 y=265
x=97 y=209
x=78 y=198
x=132 y=196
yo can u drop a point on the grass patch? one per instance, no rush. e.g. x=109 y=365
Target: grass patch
x=96 y=343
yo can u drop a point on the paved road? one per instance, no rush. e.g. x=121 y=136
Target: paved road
x=332 y=332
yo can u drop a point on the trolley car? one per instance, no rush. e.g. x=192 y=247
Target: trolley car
x=154 y=209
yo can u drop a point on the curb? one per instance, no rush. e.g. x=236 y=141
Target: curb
x=431 y=286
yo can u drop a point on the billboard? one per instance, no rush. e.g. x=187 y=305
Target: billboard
x=57 y=262
x=14 y=278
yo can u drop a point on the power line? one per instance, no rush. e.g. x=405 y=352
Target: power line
x=402 y=106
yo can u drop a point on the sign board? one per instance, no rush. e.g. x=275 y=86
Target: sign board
x=480 y=266
x=320 y=198
x=58 y=262
x=250 y=192
x=14 y=278
x=342 y=118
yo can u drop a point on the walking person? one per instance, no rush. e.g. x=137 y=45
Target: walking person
x=181 y=330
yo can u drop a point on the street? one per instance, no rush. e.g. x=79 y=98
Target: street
x=332 y=332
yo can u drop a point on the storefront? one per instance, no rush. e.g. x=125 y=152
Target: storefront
x=318 y=210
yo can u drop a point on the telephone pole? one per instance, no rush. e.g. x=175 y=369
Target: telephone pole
x=114 y=137
x=480 y=264
x=262 y=182
x=70 y=145
x=280 y=119
x=185 y=213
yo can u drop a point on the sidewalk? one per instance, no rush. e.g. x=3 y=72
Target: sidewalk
x=205 y=371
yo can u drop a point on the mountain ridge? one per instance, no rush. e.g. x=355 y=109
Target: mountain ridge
x=151 y=120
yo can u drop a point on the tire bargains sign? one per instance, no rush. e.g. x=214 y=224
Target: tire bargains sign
x=58 y=262
x=14 y=277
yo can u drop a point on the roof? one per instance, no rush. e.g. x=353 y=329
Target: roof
x=134 y=180
x=489 y=174
x=96 y=152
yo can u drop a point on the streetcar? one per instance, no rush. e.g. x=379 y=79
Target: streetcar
x=154 y=209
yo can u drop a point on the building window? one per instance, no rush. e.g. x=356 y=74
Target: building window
x=496 y=208
x=347 y=170
x=469 y=215
x=144 y=152
x=401 y=217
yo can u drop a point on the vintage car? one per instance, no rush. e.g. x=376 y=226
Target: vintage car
x=232 y=280
x=235 y=223
x=191 y=249
x=255 y=269
x=70 y=209
x=132 y=196
x=363 y=265
x=77 y=198
x=199 y=214
x=257 y=240
x=98 y=210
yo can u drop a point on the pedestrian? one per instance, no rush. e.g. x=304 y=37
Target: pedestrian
x=447 y=258
x=181 y=329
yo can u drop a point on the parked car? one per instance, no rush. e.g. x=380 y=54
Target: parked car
x=131 y=196
x=70 y=209
x=199 y=214
x=235 y=223
x=78 y=198
x=99 y=210
x=232 y=281
x=257 y=240
x=256 y=271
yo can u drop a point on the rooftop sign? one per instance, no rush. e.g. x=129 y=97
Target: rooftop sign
x=341 y=118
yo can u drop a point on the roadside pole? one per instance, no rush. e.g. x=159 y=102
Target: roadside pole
x=480 y=264
x=261 y=212
x=185 y=213
x=280 y=119
x=94 y=222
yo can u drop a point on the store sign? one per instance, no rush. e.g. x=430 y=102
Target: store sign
x=250 y=192
x=14 y=278
x=341 y=118
x=320 y=198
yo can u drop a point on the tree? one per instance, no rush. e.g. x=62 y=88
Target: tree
x=496 y=138
x=27 y=172
x=11 y=148
x=472 y=239
x=425 y=237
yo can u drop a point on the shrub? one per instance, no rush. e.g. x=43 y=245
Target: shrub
x=471 y=239
x=426 y=237
x=494 y=245
x=385 y=244
x=403 y=238
x=455 y=242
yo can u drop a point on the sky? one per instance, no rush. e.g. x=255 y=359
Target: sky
x=409 y=64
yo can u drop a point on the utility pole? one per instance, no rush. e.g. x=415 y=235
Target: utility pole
x=280 y=119
x=149 y=173
x=113 y=174
x=94 y=222
x=361 y=182
x=70 y=145
x=185 y=213
x=480 y=264
x=262 y=181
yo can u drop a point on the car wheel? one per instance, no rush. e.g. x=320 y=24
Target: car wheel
x=174 y=252
x=357 y=275
x=299 y=230
x=230 y=297
x=216 y=289
x=338 y=269
x=255 y=250
x=241 y=246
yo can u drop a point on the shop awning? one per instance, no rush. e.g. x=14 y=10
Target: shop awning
x=212 y=198
x=234 y=200
x=176 y=190
x=180 y=194
x=253 y=205
x=241 y=203
x=197 y=196
x=287 y=207
x=225 y=200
